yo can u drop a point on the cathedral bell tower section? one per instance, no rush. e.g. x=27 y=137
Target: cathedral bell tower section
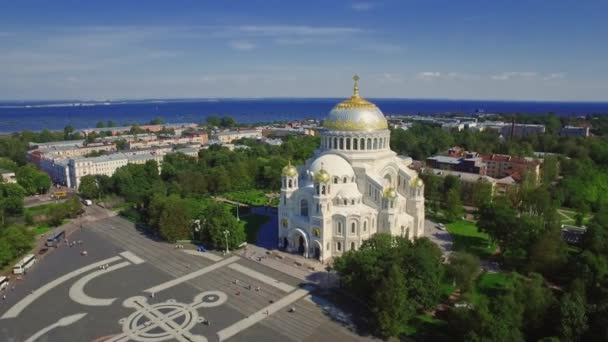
x=289 y=185
x=388 y=211
x=415 y=205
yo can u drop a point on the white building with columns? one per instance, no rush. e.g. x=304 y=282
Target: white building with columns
x=353 y=187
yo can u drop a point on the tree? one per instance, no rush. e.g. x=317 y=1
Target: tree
x=174 y=222
x=68 y=132
x=88 y=186
x=11 y=199
x=549 y=171
x=481 y=193
x=217 y=218
x=157 y=121
x=453 y=205
x=100 y=124
x=463 y=268
x=33 y=180
x=539 y=306
x=111 y=123
x=122 y=144
x=391 y=307
x=213 y=120
x=573 y=317
x=7 y=164
x=227 y=122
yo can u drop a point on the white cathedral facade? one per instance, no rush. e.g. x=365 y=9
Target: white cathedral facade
x=353 y=187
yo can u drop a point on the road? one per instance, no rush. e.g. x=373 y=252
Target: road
x=442 y=238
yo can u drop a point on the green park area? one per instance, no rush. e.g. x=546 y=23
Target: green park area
x=251 y=197
x=468 y=238
x=570 y=217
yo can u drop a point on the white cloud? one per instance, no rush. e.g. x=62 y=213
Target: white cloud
x=554 y=76
x=362 y=6
x=391 y=78
x=294 y=30
x=505 y=76
x=242 y=45
x=428 y=75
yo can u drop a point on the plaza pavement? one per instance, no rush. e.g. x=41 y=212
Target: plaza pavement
x=152 y=289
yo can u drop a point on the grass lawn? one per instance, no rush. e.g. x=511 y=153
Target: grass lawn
x=489 y=285
x=40 y=209
x=568 y=216
x=426 y=328
x=253 y=223
x=469 y=239
x=42 y=229
x=251 y=197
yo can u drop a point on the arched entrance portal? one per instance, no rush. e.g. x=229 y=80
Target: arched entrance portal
x=298 y=242
x=317 y=250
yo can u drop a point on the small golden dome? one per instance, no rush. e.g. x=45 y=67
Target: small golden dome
x=290 y=170
x=322 y=176
x=390 y=193
x=416 y=182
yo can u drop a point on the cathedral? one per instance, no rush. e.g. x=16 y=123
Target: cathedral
x=352 y=188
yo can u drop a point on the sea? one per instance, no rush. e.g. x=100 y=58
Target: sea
x=55 y=115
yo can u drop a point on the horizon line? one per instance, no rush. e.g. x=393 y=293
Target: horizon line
x=295 y=98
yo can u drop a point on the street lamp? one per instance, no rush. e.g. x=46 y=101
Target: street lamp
x=328 y=269
x=226 y=234
x=196 y=225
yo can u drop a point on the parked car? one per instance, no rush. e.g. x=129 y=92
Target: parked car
x=441 y=226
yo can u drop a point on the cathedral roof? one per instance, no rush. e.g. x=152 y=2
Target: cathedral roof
x=355 y=114
x=333 y=165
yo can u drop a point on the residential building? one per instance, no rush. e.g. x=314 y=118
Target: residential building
x=8 y=176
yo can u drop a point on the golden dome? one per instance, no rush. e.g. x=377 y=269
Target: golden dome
x=390 y=193
x=290 y=170
x=355 y=114
x=416 y=182
x=322 y=176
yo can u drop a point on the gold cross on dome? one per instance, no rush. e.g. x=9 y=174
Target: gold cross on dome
x=356 y=78
x=356 y=87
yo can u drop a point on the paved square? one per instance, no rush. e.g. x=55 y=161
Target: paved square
x=131 y=288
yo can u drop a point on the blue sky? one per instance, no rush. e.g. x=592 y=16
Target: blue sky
x=486 y=49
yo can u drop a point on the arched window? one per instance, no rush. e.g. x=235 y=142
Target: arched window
x=339 y=227
x=362 y=143
x=369 y=143
x=335 y=143
x=289 y=184
x=284 y=183
x=345 y=180
x=339 y=247
x=348 y=143
x=335 y=180
x=375 y=143
x=304 y=207
x=352 y=202
x=364 y=226
x=341 y=143
x=323 y=190
x=352 y=228
x=345 y=202
x=352 y=246
x=355 y=144
x=317 y=189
